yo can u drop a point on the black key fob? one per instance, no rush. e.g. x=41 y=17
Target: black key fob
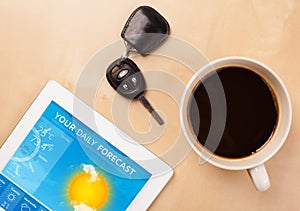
x=145 y=29
x=126 y=78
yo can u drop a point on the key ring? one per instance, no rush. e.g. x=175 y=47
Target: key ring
x=127 y=51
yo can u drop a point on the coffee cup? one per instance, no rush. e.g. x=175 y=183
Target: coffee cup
x=236 y=114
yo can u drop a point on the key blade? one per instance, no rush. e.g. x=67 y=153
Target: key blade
x=158 y=119
x=151 y=110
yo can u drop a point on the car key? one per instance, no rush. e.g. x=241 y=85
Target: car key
x=127 y=79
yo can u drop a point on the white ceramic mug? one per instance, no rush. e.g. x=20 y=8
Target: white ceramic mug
x=255 y=162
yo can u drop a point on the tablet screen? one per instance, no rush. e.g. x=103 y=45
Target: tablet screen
x=64 y=165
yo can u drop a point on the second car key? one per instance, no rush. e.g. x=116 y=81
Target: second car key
x=127 y=79
x=144 y=31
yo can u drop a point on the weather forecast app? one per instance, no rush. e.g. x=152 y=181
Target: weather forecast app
x=64 y=165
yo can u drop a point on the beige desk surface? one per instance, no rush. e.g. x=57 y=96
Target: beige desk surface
x=43 y=40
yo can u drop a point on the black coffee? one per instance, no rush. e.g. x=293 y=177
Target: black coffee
x=251 y=112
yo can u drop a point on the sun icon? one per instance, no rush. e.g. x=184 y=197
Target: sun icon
x=88 y=188
x=11 y=197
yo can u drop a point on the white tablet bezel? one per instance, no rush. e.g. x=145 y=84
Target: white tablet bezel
x=161 y=172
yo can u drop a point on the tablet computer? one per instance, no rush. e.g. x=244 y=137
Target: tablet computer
x=64 y=156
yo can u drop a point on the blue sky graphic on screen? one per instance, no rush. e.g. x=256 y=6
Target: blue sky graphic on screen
x=64 y=165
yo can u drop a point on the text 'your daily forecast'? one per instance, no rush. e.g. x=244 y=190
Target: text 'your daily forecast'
x=85 y=137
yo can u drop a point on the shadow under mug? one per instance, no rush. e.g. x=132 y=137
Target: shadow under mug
x=253 y=163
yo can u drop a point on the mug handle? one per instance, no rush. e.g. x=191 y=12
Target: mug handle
x=259 y=177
